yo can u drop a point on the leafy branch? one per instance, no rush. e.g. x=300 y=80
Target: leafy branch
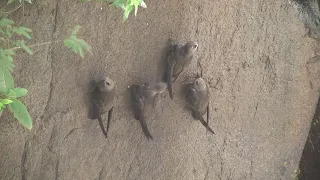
x=12 y=38
x=126 y=5
x=77 y=45
x=20 y=1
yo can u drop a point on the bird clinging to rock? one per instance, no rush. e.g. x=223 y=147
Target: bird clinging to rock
x=142 y=95
x=178 y=57
x=197 y=95
x=102 y=92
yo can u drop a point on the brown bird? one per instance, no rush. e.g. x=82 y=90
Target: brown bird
x=197 y=95
x=178 y=57
x=142 y=95
x=102 y=92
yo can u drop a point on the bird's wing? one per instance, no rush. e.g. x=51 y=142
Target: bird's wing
x=208 y=113
x=138 y=105
x=93 y=111
x=193 y=98
x=171 y=58
x=172 y=55
x=182 y=61
x=169 y=80
x=137 y=101
x=91 y=86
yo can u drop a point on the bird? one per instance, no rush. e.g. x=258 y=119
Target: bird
x=101 y=96
x=142 y=95
x=197 y=96
x=178 y=57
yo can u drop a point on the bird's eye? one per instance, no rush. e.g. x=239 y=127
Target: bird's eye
x=197 y=82
x=195 y=46
x=107 y=83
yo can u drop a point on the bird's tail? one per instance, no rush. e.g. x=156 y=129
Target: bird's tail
x=144 y=127
x=109 y=118
x=204 y=123
x=93 y=110
x=102 y=126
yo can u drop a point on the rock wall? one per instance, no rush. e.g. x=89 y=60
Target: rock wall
x=254 y=54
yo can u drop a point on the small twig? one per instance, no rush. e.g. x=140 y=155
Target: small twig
x=22 y=8
x=34 y=45
x=8 y=12
x=109 y=3
x=2 y=96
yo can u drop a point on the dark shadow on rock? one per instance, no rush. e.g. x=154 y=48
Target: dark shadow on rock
x=310 y=15
x=310 y=161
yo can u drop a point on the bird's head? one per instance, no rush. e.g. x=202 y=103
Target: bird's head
x=191 y=47
x=199 y=84
x=104 y=83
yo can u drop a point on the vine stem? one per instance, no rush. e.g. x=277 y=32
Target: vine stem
x=8 y=12
x=34 y=45
x=2 y=97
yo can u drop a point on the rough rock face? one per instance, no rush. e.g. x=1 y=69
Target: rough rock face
x=254 y=54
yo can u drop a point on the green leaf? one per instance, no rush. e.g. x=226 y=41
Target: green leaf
x=128 y=5
x=77 y=45
x=118 y=3
x=23 y=31
x=4 y=22
x=11 y=1
x=22 y=44
x=143 y=4
x=21 y=113
x=29 y=1
x=10 y=32
x=126 y=12
x=17 y=92
x=135 y=3
x=5 y=101
x=6 y=59
x=6 y=80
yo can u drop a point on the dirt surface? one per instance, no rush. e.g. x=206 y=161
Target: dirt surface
x=254 y=53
